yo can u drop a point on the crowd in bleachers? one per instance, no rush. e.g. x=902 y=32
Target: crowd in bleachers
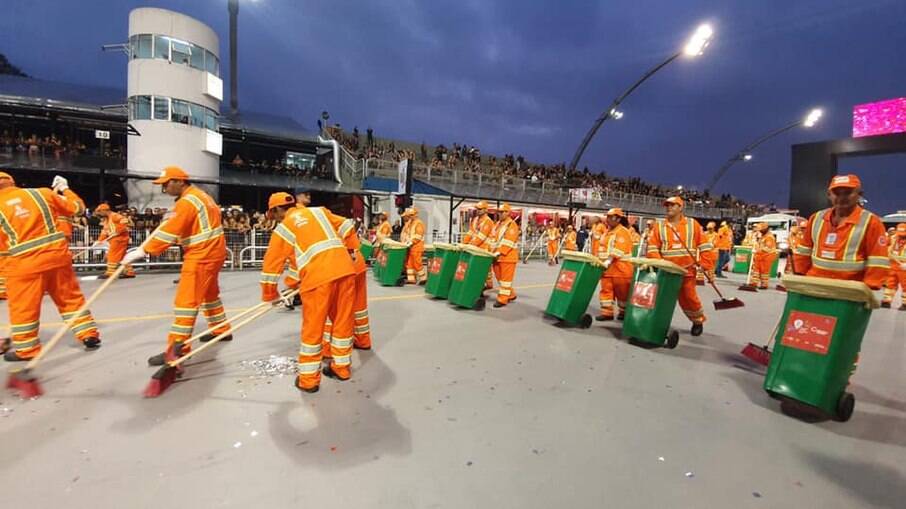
x=469 y=158
x=281 y=167
x=51 y=145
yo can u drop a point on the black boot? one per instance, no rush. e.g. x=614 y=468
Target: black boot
x=697 y=329
x=902 y=307
x=603 y=318
x=498 y=304
x=12 y=356
x=208 y=337
x=329 y=373
x=885 y=305
x=161 y=358
x=5 y=344
x=92 y=343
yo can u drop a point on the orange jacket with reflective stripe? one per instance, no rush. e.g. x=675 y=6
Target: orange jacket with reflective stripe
x=414 y=232
x=897 y=253
x=195 y=224
x=670 y=242
x=724 y=238
x=505 y=240
x=384 y=231
x=64 y=224
x=313 y=237
x=116 y=227
x=569 y=244
x=617 y=243
x=481 y=231
x=855 y=249
x=598 y=231
x=29 y=236
x=553 y=234
x=766 y=245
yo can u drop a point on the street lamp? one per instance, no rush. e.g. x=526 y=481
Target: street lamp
x=746 y=153
x=693 y=48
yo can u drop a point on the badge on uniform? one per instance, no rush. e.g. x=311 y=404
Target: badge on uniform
x=831 y=239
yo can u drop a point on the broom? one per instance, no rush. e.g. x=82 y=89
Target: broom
x=166 y=375
x=760 y=354
x=748 y=286
x=722 y=303
x=23 y=379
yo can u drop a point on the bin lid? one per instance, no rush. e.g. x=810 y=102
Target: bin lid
x=429 y=247
x=578 y=256
x=656 y=263
x=392 y=244
x=448 y=247
x=826 y=288
x=477 y=251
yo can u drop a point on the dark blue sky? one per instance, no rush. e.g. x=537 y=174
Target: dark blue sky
x=529 y=77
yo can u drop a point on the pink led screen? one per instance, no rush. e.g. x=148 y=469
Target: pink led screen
x=882 y=117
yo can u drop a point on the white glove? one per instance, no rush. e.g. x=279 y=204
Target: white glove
x=59 y=184
x=133 y=255
x=608 y=263
x=101 y=245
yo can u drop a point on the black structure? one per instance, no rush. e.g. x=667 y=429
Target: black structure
x=815 y=164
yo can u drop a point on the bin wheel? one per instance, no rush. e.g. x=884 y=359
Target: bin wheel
x=479 y=304
x=672 y=339
x=401 y=281
x=845 y=406
x=586 y=321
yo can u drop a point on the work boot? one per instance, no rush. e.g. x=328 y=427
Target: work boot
x=902 y=307
x=330 y=373
x=621 y=316
x=5 y=344
x=127 y=276
x=512 y=298
x=697 y=329
x=310 y=390
x=498 y=304
x=162 y=358
x=104 y=276
x=886 y=305
x=297 y=300
x=13 y=356
x=211 y=335
x=92 y=343
x=603 y=318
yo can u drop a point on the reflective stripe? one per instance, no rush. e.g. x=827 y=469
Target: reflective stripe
x=342 y=360
x=319 y=247
x=22 y=328
x=707 y=246
x=202 y=237
x=878 y=262
x=185 y=312
x=285 y=234
x=8 y=230
x=67 y=316
x=211 y=305
x=327 y=322
x=418 y=237
x=504 y=291
x=346 y=227
x=181 y=329
x=341 y=342
x=326 y=337
x=308 y=368
x=361 y=329
x=82 y=327
x=202 y=212
x=803 y=251
x=42 y=204
x=28 y=343
x=849 y=261
x=215 y=319
x=165 y=237
x=35 y=243
x=269 y=278
x=361 y=315
x=306 y=349
x=508 y=243
x=506 y=284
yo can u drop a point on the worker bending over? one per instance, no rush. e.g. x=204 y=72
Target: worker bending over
x=115 y=232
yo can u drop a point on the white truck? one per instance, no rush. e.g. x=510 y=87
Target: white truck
x=780 y=226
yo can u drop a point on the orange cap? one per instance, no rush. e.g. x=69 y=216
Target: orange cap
x=279 y=199
x=763 y=226
x=711 y=224
x=171 y=173
x=901 y=230
x=505 y=207
x=102 y=208
x=848 y=181
x=410 y=212
x=616 y=212
x=482 y=205
x=675 y=199
x=4 y=175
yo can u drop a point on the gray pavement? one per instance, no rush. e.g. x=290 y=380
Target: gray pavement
x=498 y=408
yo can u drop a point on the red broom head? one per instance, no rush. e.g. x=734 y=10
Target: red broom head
x=722 y=304
x=757 y=354
x=160 y=381
x=780 y=288
x=26 y=384
x=748 y=288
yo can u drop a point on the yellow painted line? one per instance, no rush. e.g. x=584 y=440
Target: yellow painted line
x=169 y=316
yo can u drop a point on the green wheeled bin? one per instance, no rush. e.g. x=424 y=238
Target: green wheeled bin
x=390 y=262
x=652 y=299
x=441 y=268
x=367 y=249
x=818 y=341
x=576 y=282
x=469 y=278
x=635 y=249
x=742 y=257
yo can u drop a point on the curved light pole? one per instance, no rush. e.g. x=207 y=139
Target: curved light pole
x=695 y=47
x=746 y=153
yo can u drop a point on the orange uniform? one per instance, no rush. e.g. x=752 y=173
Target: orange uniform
x=855 y=249
x=794 y=240
x=361 y=327
x=384 y=231
x=553 y=243
x=480 y=234
x=116 y=232
x=506 y=240
x=38 y=261
x=616 y=280
x=2 y=277
x=312 y=236
x=671 y=242
x=195 y=225
x=765 y=252
x=724 y=238
x=414 y=234
x=709 y=255
x=597 y=235
x=897 y=275
x=569 y=243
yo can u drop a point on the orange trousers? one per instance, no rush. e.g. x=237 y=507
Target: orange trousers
x=505 y=272
x=25 y=294
x=761 y=271
x=198 y=289
x=896 y=277
x=614 y=290
x=361 y=331
x=415 y=269
x=115 y=254
x=689 y=301
x=2 y=288
x=552 y=246
x=333 y=300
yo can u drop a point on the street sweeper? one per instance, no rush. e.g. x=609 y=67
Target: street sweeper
x=38 y=261
x=553 y=243
x=481 y=228
x=413 y=235
x=897 y=275
x=505 y=240
x=764 y=253
x=115 y=232
x=617 y=275
x=710 y=255
x=675 y=239
x=326 y=270
x=195 y=225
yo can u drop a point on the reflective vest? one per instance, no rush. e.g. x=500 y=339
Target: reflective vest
x=414 y=232
x=29 y=236
x=617 y=244
x=598 y=232
x=898 y=253
x=195 y=225
x=480 y=232
x=116 y=227
x=675 y=243
x=505 y=240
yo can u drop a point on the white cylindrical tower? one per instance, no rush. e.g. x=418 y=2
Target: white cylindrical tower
x=174 y=90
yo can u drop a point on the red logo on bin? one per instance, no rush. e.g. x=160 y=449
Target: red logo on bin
x=809 y=331
x=644 y=295
x=461 y=271
x=742 y=257
x=565 y=280
x=382 y=259
x=434 y=267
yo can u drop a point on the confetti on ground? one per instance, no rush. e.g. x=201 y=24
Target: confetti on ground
x=275 y=365
x=690 y=474
x=237 y=445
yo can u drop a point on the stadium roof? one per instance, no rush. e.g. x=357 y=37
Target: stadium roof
x=91 y=99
